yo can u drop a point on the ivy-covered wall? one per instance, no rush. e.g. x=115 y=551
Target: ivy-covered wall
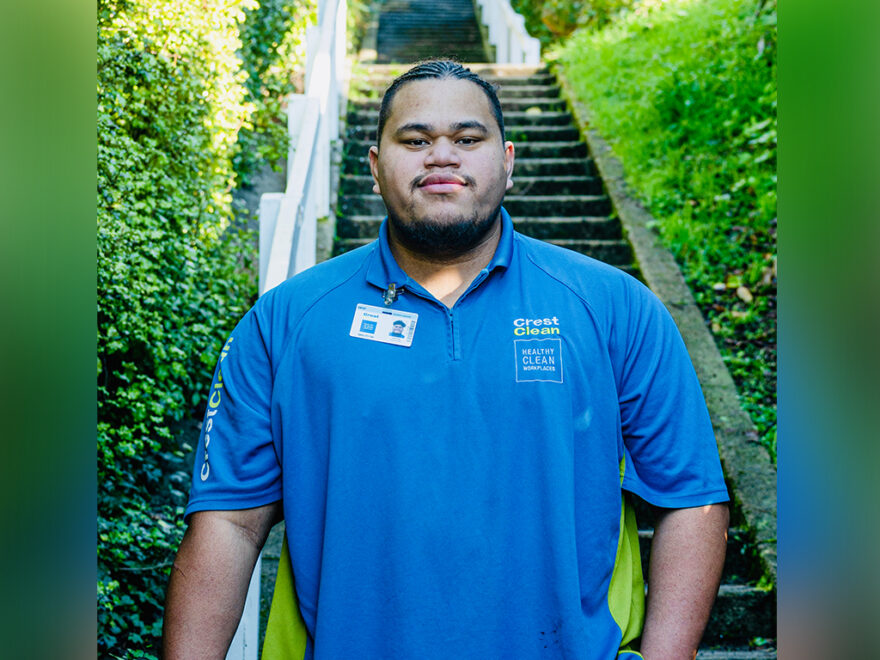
x=189 y=104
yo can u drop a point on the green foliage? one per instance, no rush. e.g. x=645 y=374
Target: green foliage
x=273 y=55
x=358 y=18
x=550 y=20
x=686 y=93
x=173 y=278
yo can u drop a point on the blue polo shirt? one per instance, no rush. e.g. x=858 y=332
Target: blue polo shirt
x=461 y=496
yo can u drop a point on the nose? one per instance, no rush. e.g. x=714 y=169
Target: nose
x=442 y=153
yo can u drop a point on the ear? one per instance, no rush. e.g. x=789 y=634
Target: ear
x=508 y=163
x=374 y=168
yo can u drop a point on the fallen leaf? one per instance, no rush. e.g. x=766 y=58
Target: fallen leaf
x=744 y=294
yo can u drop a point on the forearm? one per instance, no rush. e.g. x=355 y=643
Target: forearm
x=687 y=556
x=209 y=581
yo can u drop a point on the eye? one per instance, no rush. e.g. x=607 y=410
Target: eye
x=468 y=141
x=415 y=142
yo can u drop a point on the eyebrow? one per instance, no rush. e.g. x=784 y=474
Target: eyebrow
x=470 y=124
x=414 y=127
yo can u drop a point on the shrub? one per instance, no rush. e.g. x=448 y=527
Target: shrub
x=686 y=93
x=551 y=20
x=273 y=56
x=173 y=278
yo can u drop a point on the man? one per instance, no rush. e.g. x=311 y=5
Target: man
x=397 y=329
x=481 y=512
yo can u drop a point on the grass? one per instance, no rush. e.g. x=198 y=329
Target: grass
x=685 y=91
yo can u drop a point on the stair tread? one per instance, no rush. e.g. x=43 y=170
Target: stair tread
x=736 y=654
x=370 y=118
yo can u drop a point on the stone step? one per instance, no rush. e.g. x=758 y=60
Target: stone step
x=524 y=103
x=511 y=119
x=739 y=564
x=416 y=48
x=584 y=227
x=486 y=70
x=560 y=205
x=506 y=89
x=614 y=252
x=565 y=149
x=408 y=30
x=522 y=185
x=381 y=81
x=523 y=166
x=516 y=205
x=741 y=613
x=406 y=13
x=516 y=134
x=360 y=164
x=527 y=91
x=522 y=134
x=736 y=654
x=507 y=105
x=607 y=251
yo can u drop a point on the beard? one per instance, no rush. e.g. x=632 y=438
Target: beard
x=443 y=237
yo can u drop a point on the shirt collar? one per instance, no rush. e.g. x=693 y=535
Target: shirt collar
x=384 y=269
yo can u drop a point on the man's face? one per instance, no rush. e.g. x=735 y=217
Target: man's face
x=442 y=166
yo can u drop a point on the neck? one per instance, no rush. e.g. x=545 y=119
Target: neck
x=446 y=277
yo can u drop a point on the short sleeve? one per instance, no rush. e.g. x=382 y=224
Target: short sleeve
x=236 y=466
x=671 y=458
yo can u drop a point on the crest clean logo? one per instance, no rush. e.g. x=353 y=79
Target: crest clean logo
x=529 y=327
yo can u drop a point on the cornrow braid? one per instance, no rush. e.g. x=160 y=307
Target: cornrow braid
x=440 y=70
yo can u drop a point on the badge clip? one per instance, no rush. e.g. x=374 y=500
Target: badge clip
x=390 y=294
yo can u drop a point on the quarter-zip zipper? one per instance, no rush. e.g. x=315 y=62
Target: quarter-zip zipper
x=454 y=344
x=451 y=314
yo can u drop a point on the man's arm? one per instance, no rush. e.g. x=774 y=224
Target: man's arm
x=687 y=556
x=209 y=580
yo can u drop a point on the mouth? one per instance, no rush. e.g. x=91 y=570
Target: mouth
x=441 y=183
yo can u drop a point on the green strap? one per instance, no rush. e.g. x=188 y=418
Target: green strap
x=285 y=631
x=626 y=592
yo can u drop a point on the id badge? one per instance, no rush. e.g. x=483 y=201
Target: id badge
x=389 y=326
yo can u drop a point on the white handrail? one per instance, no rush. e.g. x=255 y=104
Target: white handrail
x=288 y=220
x=507 y=32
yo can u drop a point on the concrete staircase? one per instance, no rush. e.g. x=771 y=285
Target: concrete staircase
x=411 y=30
x=557 y=197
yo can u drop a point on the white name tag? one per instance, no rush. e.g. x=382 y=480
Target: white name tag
x=389 y=326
